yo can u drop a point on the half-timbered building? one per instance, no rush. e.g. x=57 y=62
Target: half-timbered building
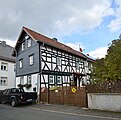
x=45 y=63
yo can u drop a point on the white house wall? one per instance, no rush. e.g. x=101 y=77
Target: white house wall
x=34 y=82
x=10 y=74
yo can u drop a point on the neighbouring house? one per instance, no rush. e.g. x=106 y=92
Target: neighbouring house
x=45 y=62
x=7 y=66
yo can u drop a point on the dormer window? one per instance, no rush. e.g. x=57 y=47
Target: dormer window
x=29 y=42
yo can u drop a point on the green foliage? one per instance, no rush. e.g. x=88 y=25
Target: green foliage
x=20 y=85
x=27 y=86
x=109 y=68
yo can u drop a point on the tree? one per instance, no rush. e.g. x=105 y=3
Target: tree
x=113 y=60
x=109 y=68
x=99 y=70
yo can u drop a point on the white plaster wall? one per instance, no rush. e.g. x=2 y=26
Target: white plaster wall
x=100 y=101
x=10 y=74
x=17 y=81
x=34 y=82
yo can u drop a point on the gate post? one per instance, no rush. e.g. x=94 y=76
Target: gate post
x=86 y=91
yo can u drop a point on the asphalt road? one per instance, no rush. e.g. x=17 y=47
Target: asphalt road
x=31 y=113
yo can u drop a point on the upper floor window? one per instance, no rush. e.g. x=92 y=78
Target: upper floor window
x=20 y=63
x=89 y=65
x=29 y=42
x=77 y=65
x=4 y=66
x=51 y=79
x=31 y=59
x=3 y=81
x=58 y=61
x=23 y=46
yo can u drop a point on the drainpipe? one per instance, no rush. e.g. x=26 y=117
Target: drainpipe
x=15 y=68
x=39 y=76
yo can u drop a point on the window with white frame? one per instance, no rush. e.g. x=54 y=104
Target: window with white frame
x=58 y=61
x=20 y=63
x=29 y=42
x=31 y=59
x=51 y=79
x=77 y=65
x=22 y=80
x=23 y=46
x=26 y=37
x=3 y=81
x=58 y=79
x=29 y=79
x=4 y=66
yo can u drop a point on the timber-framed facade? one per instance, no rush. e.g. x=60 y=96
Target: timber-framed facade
x=47 y=63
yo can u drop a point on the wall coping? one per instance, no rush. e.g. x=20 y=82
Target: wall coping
x=105 y=93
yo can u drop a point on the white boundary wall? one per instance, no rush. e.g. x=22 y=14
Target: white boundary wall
x=105 y=101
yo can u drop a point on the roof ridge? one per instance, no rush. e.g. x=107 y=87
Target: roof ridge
x=48 y=37
x=49 y=41
x=36 y=32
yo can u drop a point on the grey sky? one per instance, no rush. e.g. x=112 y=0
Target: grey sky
x=51 y=17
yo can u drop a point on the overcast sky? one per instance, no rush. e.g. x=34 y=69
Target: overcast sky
x=92 y=24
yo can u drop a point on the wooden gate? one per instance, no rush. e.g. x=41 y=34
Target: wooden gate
x=75 y=96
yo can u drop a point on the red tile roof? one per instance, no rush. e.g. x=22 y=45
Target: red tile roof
x=39 y=37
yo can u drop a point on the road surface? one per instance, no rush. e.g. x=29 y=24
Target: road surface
x=31 y=113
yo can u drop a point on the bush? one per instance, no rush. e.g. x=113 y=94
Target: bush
x=27 y=86
x=20 y=85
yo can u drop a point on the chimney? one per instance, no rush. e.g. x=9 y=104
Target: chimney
x=3 y=43
x=55 y=39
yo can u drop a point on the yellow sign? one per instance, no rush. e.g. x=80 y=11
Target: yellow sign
x=73 y=90
x=53 y=88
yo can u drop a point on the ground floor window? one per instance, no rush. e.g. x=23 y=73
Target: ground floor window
x=59 y=80
x=3 y=81
x=22 y=80
x=29 y=79
x=51 y=79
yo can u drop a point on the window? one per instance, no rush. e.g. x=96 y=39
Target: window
x=4 y=66
x=29 y=79
x=23 y=46
x=31 y=59
x=26 y=37
x=21 y=63
x=3 y=81
x=14 y=68
x=58 y=61
x=51 y=79
x=58 y=79
x=89 y=65
x=22 y=80
x=77 y=65
x=29 y=42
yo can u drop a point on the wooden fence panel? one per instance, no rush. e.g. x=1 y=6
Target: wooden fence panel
x=65 y=96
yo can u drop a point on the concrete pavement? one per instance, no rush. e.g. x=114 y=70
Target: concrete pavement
x=73 y=110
